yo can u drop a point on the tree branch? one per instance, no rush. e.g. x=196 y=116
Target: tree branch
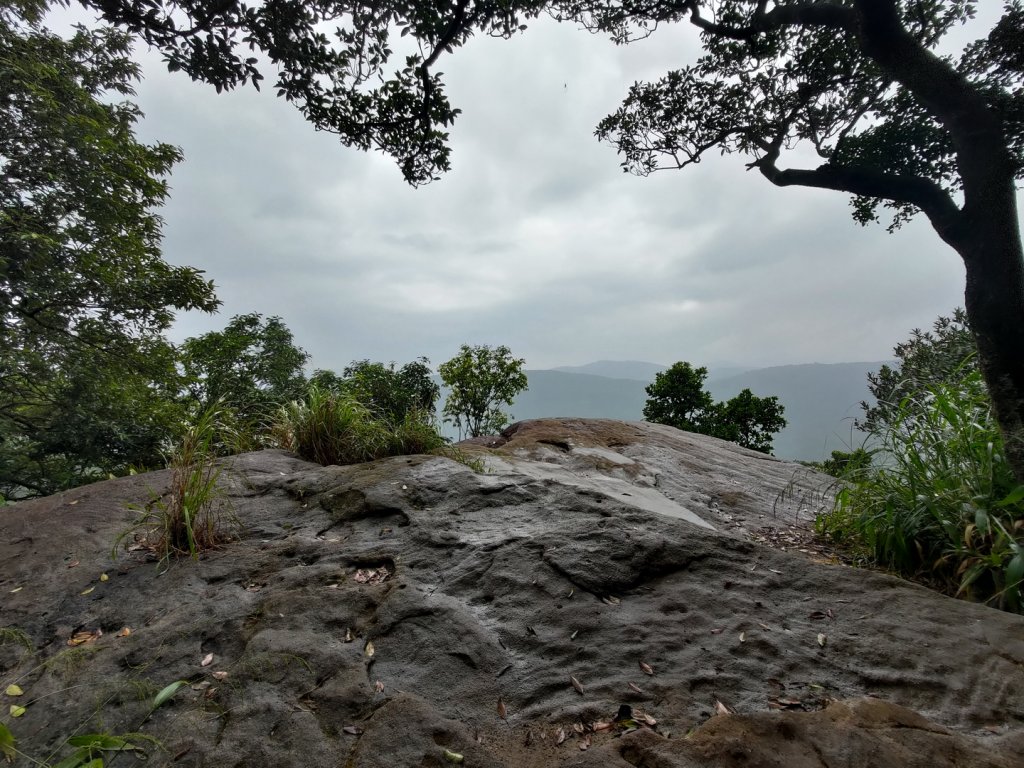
x=822 y=13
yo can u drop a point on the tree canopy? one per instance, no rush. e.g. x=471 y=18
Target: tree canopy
x=677 y=398
x=84 y=294
x=480 y=380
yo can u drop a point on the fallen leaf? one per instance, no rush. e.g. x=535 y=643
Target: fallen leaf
x=573 y=635
x=202 y=685
x=828 y=612
x=17 y=711
x=332 y=586
x=774 y=571
x=85 y=636
x=822 y=639
x=104 y=577
x=502 y=711
x=207 y=660
x=721 y=709
x=647 y=719
x=378 y=687
x=716 y=631
x=73 y=502
x=167 y=692
x=600 y=727
x=635 y=687
x=584 y=744
x=765 y=627
x=16 y=589
x=352 y=730
x=611 y=600
x=87 y=591
x=560 y=736
x=125 y=631
x=14 y=690
x=576 y=684
x=646 y=668
x=220 y=675
x=369 y=648
x=73 y=564
x=348 y=635
x=453 y=757
x=743 y=637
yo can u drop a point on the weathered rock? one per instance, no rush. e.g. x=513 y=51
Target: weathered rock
x=375 y=614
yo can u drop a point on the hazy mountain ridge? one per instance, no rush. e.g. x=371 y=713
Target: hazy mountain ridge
x=821 y=400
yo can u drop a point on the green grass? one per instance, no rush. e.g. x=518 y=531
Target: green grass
x=334 y=428
x=939 y=503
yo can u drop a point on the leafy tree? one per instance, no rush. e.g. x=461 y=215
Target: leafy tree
x=252 y=367
x=84 y=295
x=895 y=125
x=945 y=355
x=677 y=398
x=750 y=421
x=394 y=394
x=480 y=380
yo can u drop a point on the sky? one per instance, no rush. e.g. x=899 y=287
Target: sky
x=536 y=239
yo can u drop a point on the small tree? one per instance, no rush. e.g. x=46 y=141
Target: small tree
x=481 y=379
x=394 y=394
x=678 y=398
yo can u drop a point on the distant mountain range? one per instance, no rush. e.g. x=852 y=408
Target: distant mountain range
x=821 y=401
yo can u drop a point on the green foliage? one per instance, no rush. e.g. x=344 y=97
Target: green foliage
x=334 y=428
x=677 y=398
x=392 y=394
x=846 y=463
x=192 y=517
x=948 y=353
x=252 y=367
x=943 y=504
x=480 y=380
x=84 y=295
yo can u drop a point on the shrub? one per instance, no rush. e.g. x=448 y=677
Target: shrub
x=941 y=504
x=331 y=427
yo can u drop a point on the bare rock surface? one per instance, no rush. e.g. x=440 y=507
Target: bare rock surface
x=411 y=611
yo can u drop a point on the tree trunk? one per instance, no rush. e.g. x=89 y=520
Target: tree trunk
x=993 y=255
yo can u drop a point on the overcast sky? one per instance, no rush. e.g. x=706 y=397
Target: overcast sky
x=536 y=239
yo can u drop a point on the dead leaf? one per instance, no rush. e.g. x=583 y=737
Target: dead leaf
x=73 y=564
x=220 y=675
x=125 y=631
x=207 y=660
x=647 y=669
x=716 y=631
x=573 y=635
x=202 y=685
x=87 y=591
x=765 y=627
x=828 y=612
x=453 y=757
x=611 y=600
x=502 y=712
x=353 y=730
x=584 y=744
x=16 y=589
x=571 y=592
x=73 y=502
x=348 y=635
x=369 y=649
x=85 y=636
x=560 y=736
x=601 y=727
x=378 y=687
x=646 y=718
x=635 y=687
x=13 y=690
x=822 y=639
x=104 y=577
x=722 y=709
x=576 y=684
x=743 y=637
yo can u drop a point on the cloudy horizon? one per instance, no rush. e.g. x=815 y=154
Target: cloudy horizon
x=535 y=239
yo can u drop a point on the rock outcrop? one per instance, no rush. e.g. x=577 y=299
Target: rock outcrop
x=597 y=599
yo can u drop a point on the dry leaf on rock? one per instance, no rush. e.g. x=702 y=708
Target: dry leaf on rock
x=822 y=639
x=104 y=577
x=635 y=687
x=722 y=709
x=576 y=684
x=560 y=736
x=85 y=636
x=207 y=660
x=502 y=711
x=352 y=730
x=87 y=591
x=647 y=669
x=370 y=650
x=125 y=632
x=453 y=757
x=601 y=727
x=220 y=675
x=584 y=743
x=378 y=687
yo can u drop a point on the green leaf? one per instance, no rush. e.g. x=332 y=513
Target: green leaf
x=1013 y=497
x=101 y=741
x=164 y=695
x=6 y=742
x=1015 y=571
